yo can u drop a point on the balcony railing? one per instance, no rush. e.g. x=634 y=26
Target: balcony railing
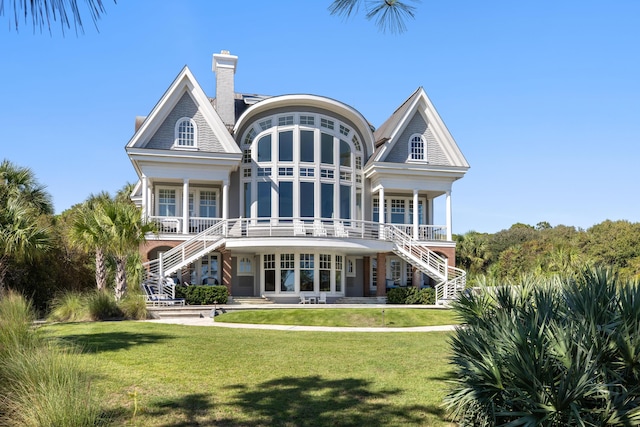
x=295 y=227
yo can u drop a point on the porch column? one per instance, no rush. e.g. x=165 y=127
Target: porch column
x=416 y=221
x=145 y=198
x=449 y=234
x=185 y=206
x=381 y=275
x=225 y=199
x=381 y=211
x=226 y=270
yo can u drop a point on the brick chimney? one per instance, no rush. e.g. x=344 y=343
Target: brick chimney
x=224 y=65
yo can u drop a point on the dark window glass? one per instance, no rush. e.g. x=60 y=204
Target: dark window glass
x=286 y=199
x=285 y=140
x=307 y=193
x=270 y=280
x=345 y=202
x=247 y=200
x=264 y=199
x=326 y=149
x=306 y=146
x=326 y=200
x=264 y=149
x=345 y=154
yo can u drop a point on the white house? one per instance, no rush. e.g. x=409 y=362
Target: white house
x=282 y=196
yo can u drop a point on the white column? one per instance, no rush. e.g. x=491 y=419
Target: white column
x=225 y=199
x=416 y=221
x=449 y=234
x=185 y=206
x=381 y=213
x=145 y=198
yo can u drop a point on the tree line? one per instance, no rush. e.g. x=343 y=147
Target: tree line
x=543 y=250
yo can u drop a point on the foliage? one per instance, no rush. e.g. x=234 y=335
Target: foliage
x=411 y=295
x=103 y=306
x=72 y=306
x=389 y=14
x=69 y=307
x=203 y=295
x=134 y=307
x=42 y=384
x=554 y=352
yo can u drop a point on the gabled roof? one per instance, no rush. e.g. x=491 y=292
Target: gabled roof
x=185 y=82
x=388 y=133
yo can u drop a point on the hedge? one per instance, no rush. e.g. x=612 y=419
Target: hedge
x=203 y=295
x=411 y=295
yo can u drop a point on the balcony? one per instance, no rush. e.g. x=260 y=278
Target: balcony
x=294 y=227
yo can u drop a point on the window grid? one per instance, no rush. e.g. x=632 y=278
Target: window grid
x=326 y=173
x=269 y=261
x=307 y=262
x=287 y=261
x=344 y=130
x=307 y=172
x=358 y=162
x=356 y=143
x=264 y=171
x=285 y=171
x=326 y=123
x=250 y=135
x=325 y=262
x=265 y=124
x=345 y=176
x=397 y=206
x=186 y=133
x=285 y=120
x=208 y=204
x=307 y=120
x=246 y=156
x=246 y=172
x=244 y=265
x=416 y=147
x=338 y=262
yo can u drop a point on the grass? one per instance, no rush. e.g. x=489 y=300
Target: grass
x=360 y=317
x=172 y=375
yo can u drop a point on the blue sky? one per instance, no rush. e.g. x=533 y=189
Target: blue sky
x=542 y=97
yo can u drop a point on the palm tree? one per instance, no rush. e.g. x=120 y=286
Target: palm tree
x=122 y=221
x=24 y=229
x=389 y=14
x=88 y=233
x=43 y=12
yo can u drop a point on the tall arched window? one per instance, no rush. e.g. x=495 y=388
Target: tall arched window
x=185 y=133
x=417 y=149
x=304 y=167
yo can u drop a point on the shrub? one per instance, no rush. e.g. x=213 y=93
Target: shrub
x=69 y=307
x=411 y=295
x=16 y=319
x=203 y=295
x=134 y=307
x=103 y=306
x=559 y=352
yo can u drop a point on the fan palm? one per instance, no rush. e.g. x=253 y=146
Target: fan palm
x=389 y=14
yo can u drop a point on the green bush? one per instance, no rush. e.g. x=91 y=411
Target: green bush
x=103 y=306
x=552 y=352
x=203 y=295
x=134 y=307
x=411 y=295
x=69 y=307
x=16 y=319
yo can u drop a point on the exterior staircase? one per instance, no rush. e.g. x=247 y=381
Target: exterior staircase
x=450 y=281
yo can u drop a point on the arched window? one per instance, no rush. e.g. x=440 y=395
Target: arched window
x=185 y=133
x=417 y=149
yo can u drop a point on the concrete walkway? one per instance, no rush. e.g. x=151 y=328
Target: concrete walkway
x=207 y=321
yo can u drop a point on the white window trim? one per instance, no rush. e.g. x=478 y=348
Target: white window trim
x=176 y=134
x=424 y=149
x=239 y=272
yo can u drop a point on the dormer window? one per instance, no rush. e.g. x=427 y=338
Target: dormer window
x=185 y=133
x=417 y=149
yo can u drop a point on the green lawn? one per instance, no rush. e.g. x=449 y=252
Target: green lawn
x=393 y=317
x=185 y=375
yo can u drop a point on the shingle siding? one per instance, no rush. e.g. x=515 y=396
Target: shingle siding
x=186 y=107
x=400 y=151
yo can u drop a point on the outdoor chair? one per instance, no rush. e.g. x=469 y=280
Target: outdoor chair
x=318 y=229
x=340 y=230
x=299 y=228
x=323 y=298
x=154 y=297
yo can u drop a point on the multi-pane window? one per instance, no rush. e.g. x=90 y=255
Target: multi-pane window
x=307 y=272
x=345 y=154
x=248 y=139
x=246 y=172
x=307 y=172
x=397 y=211
x=287 y=273
x=264 y=171
x=246 y=156
x=325 y=272
x=285 y=120
x=338 y=273
x=185 y=133
x=326 y=123
x=327 y=173
x=166 y=202
x=356 y=143
x=395 y=271
x=416 y=148
x=345 y=176
x=307 y=120
x=269 y=265
x=208 y=204
x=344 y=130
x=285 y=171
x=244 y=266
x=265 y=124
